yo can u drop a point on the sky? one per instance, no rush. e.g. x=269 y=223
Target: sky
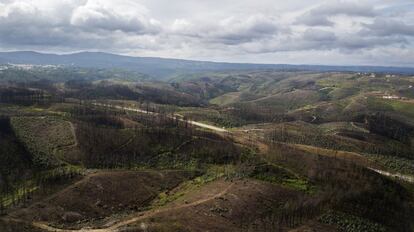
x=329 y=32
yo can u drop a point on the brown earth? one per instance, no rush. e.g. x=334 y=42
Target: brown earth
x=241 y=208
x=101 y=195
x=345 y=155
x=313 y=226
x=10 y=225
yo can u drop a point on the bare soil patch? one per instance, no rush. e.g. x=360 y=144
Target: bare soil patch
x=239 y=209
x=101 y=195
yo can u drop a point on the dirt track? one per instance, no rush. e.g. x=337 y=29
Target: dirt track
x=262 y=147
x=240 y=137
x=407 y=178
x=73 y=131
x=355 y=157
x=141 y=216
x=199 y=124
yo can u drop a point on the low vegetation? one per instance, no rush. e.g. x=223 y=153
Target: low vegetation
x=350 y=223
x=45 y=138
x=293 y=150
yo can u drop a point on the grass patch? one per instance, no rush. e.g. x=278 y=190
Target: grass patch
x=20 y=193
x=226 y=99
x=212 y=173
x=302 y=185
x=279 y=175
x=341 y=93
x=41 y=179
x=405 y=108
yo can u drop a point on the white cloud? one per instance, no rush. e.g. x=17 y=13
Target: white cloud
x=322 y=14
x=123 y=15
x=389 y=27
x=230 y=30
x=246 y=30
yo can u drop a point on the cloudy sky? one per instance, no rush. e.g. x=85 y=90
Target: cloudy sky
x=345 y=32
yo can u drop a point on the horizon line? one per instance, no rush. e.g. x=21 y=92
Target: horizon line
x=200 y=60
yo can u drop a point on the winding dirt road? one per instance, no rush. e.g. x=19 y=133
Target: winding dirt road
x=151 y=213
x=141 y=216
x=176 y=117
x=264 y=148
x=73 y=131
x=406 y=178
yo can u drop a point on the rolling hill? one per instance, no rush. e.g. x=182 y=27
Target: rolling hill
x=163 y=68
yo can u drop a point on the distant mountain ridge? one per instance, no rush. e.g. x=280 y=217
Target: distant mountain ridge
x=162 y=68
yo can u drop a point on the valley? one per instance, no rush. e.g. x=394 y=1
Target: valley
x=247 y=150
x=206 y=116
